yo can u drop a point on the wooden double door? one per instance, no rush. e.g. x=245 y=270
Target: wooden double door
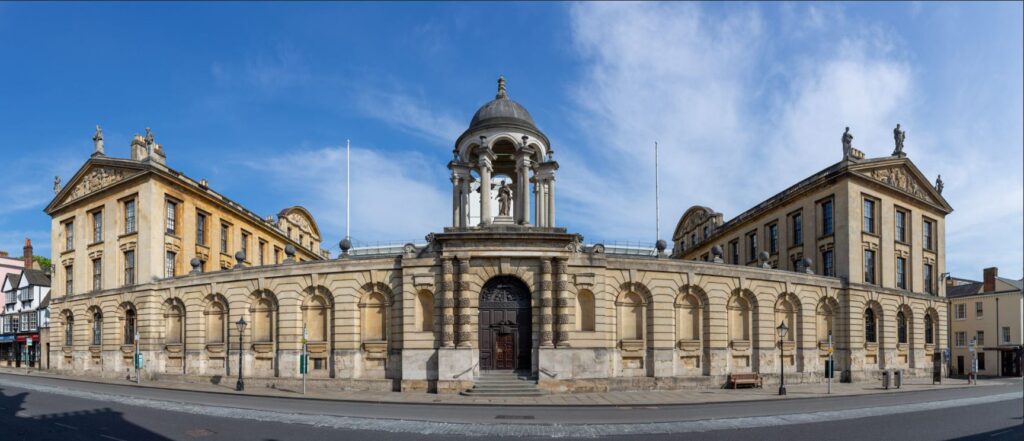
x=505 y=325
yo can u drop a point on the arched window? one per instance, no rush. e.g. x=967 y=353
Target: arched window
x=632 y=313
x=425 y=311
x=215 y=314
x=374 y=319
x=785 y=313
x=869 y=326
x=739 y=319
x=316 y=319
x=689 y=318
x=69 y=329
x=175 y=328
x=585 y=311
x=129 y=325
x=263 y=321
x=97 y=328
x=824 y=321
x=929 y=332
x=901 y=327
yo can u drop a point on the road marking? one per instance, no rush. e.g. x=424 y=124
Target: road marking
x=111 y=437
x=520 y=429
x=65 y=426
x=1000 y=433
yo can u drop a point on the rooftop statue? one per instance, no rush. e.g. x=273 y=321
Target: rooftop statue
x=847 y=143
x=97 y=140
x=939 y=185
x=504 y=199
x=899 y=136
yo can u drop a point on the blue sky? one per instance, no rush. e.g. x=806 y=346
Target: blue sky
x=745 y=99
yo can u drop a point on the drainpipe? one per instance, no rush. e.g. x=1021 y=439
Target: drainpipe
x=999 y=339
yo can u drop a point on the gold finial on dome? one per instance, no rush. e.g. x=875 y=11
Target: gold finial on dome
x=501 y=88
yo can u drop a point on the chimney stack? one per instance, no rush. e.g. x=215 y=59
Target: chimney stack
x=28 y=253
x=990 y=279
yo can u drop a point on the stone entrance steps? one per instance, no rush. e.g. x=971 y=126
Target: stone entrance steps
x=504 y=384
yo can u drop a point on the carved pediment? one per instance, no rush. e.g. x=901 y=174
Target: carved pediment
x=901 y=178
x=92 y=179
x=95 y=180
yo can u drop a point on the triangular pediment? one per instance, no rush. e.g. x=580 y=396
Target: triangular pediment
x=96 y=174
x=901 y=175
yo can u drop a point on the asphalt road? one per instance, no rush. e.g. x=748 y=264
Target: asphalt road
x=40 y=409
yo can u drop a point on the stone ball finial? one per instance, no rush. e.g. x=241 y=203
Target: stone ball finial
x=763 y=256
x=808 y=265
x=289 y=250
x=660 y=245
x=716 y=250
x=195 y=262
x=345 y=245
x=240 y=259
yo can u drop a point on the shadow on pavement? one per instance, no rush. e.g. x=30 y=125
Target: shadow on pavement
x=77 y=425
x=1014 y=433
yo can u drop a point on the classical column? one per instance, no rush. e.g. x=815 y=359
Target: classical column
x=522 y=176
x=456 y=200
x=551 y=202
x=447 y=304
x=546 y=318
x=563 y=303
x=467 y=181
x=536 y=200
x=485 y=190
x=542 y=217
x=462 y=302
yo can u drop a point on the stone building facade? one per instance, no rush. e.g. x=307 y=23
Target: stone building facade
x=988 y=314
x=509 y=291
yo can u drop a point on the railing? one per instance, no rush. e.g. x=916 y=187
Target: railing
x=396 y=247
x=382 y=248
x=628 y=248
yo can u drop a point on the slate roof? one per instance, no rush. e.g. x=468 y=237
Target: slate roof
x=37 y=277
x=14 y=278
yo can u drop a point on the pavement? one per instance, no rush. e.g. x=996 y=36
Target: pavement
x=625 y=398
x=40 y=408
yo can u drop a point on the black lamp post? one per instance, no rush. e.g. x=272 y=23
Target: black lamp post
x=782 y=357
x=240 y=385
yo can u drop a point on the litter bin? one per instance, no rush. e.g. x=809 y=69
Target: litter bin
x=898 y=377
x=886 y=378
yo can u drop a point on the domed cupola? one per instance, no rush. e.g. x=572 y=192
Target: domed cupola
x=502 y=110
x=502 y=168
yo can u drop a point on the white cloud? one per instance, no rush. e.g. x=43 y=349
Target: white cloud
x=391 y=198
x=739 y=119
x=410 y=114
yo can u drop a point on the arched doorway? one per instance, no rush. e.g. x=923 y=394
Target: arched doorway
x=505 y=325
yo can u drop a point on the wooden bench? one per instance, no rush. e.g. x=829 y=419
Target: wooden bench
x=752 y=379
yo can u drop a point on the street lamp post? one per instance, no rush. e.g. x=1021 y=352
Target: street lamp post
x=782 y=357
x=240 y=385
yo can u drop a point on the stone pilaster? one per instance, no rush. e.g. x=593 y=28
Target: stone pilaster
x=463 y=300
x=546 y=303
x=563 y=305
x=447 y=303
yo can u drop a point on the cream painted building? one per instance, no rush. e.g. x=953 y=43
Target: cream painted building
x=990 y=314
x=509 y=290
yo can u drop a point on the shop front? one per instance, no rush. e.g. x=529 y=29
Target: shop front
x=27 y=345
x=8 y=352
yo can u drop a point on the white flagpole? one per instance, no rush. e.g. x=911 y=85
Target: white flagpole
x=348 y=191
x=657 y=197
